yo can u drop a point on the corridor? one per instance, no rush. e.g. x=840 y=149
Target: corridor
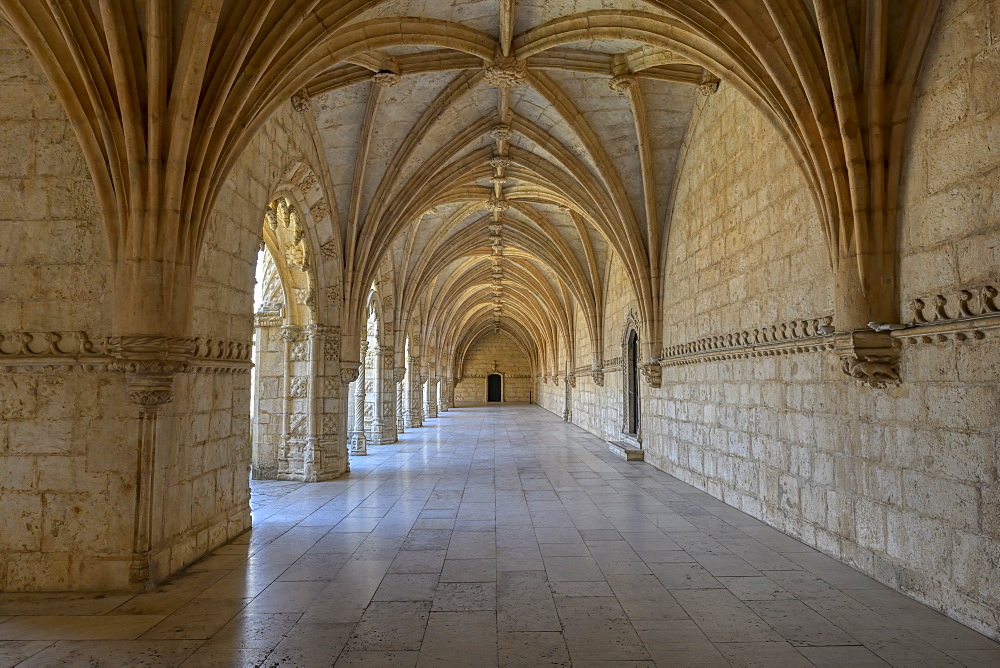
x=495 y=535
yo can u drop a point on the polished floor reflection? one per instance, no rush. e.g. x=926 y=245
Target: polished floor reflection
x=496 y=535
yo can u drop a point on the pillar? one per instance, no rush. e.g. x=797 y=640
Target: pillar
x=398 y=374
x=430 y=400
x=359 y=443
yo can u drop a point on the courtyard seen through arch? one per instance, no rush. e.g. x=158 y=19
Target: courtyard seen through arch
x=499 y=332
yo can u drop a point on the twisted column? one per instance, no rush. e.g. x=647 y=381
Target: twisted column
x=397 y=376
x=359 y=443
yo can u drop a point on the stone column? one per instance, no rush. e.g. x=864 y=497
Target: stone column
x=413 y=417
x=398 y=374
x=378 y=420
x=359 y=443
x=150 y=364
x=418 y=401
x=443 y=404
x=430 y=400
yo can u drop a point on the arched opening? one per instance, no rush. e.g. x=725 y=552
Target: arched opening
x=494 y=387
x=283 y=311
x=632 y=385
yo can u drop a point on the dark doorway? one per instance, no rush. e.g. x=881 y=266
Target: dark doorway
x=632 y=384
x=494 y=387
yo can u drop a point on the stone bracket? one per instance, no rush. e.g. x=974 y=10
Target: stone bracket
x=871 y=357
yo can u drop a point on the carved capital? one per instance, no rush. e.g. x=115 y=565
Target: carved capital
x=871 y=357
x=349 y=372
x=653 y=373
x=398 y=374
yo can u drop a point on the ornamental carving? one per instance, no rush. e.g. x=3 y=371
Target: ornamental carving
x=299 y=352
x=501 y=132
x=298 y=387
x=706 y=88
x=598 y=376
x=871 y=357
x=500 y=163
x=497 y=204
x=398 y=374
x=151 y=398
x=506 y=73
x=291 y=332
x=385 y=78
x=329 y=250
x=571 y=380
x=300 y=101
x=349 y=372
x=653 y=373
x=622 y=83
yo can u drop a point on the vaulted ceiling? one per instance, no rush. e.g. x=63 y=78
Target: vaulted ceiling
x=499 y=193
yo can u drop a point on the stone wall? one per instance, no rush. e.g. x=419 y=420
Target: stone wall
x=511 y=362
x=900 y=482
x=67 y=457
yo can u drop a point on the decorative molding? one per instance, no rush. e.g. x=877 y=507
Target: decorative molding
x=973 y=318
x=221 y=356
x=52 y=351
x=797 y=336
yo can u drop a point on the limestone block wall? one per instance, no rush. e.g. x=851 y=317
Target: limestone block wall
x=899 y=482
x=67 y=457
x=512 y=364
x=269 y=358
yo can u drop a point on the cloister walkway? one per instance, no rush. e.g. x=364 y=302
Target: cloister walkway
x=496 y=535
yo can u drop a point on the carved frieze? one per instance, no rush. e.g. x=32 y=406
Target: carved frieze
x=970 y=316
x=797 y=336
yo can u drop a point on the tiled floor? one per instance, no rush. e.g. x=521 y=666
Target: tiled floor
x=496 y=535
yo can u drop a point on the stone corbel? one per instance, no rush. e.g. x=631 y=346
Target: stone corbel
x=349 y=371
x=571 y=380
x=598 y=376
x=653 y=373
x=871 y=357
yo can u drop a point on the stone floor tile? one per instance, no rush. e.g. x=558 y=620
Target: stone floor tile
x=60 y=604
x=285 y=597
x=461 y=596
x=678 y=643
x=199 y=618
x=368 y=659
x=643 y=598
x=319 y=566
x=835 y=657
x=597 y=629
x=472 y=545
x=901 y=648
x=390 y=625
x=255 y=631
x=469 y=570
x=524 y=603
x=575 y=569
x=310 y=645
x=755 y=588
x=799 y=624
x=407 y=587
x=684 y=576
x=723 y=617
x=78 y=627
x=418 y=561
x=532 y=648
x=763 y=654
x=113 y=653
x=460 y=639
x=581 y=589
x=219 y=656
x=13 y=652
